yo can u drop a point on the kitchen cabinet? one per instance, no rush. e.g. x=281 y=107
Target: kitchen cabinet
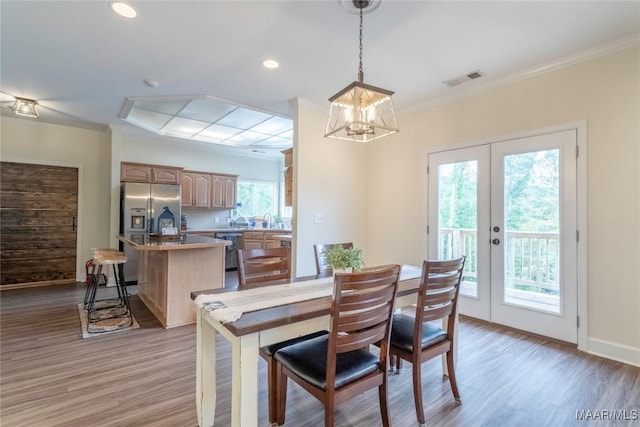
x=196 y=189
x=134 y=172
x=169 y=270
x=224 y=191
x=260 y=239
x=288 y=177
x=152 y=280
x=156 y=174
x=253 y=240
x=165 y=175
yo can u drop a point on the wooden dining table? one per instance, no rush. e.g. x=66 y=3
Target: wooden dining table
x=246 y=335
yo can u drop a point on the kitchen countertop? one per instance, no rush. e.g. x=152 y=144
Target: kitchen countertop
x=144 y=242
x=286 y=237
x=233 y=230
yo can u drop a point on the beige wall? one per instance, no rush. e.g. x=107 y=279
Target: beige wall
x=329 y=180
x=28 y=141
x=604 y=92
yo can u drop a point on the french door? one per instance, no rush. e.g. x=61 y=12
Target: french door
x=510 y=207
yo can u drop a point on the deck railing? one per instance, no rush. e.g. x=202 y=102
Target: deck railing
x=532 y=258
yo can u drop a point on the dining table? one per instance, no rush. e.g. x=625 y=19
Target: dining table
x=250 y=319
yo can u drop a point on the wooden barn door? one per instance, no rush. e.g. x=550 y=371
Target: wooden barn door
x=38 y=213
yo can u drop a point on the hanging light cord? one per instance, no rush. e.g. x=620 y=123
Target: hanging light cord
x=360 y=70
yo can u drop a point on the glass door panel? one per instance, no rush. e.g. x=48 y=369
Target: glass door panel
x=532 y=229
x=460 y=221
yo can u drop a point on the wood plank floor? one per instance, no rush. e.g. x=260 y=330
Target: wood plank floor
x=50 y=376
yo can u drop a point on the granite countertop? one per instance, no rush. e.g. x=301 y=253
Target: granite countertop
x=144 y=242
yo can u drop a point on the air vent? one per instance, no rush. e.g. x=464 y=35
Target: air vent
x=464 y=78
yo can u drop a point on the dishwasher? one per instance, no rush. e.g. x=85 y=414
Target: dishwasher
x=231 y=258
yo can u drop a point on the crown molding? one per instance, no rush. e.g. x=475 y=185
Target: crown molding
x=578 y=57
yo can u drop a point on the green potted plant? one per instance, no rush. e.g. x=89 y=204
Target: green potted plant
x=343 y=260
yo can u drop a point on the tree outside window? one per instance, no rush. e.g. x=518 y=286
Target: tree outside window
x=258 y=198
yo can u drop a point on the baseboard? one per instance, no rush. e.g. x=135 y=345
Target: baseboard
x=614 y=351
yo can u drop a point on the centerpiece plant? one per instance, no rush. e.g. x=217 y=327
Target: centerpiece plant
x=341 y=259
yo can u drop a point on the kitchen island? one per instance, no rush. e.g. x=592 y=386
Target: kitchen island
x=169 y=269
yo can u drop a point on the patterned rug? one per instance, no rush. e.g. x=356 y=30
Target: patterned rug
x=107 y=320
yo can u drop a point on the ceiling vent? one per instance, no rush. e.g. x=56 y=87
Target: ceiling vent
x=464 y=78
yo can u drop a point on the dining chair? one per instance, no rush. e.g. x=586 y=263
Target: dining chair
x=257 y=267
x=416 y=340
x=267 y=267
x=321 y=260
x=336 y=367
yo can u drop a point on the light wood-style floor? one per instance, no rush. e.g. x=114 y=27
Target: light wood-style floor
x=50 y=376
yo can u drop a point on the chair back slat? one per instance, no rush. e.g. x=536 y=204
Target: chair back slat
x=257 y=267
x=362 y=307
x=439 y=290
x=360 y=339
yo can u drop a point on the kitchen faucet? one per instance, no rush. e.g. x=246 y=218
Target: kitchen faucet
x=264 y=221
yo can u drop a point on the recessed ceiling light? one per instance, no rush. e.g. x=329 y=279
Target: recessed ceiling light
x=270 y=63
x=123 y=9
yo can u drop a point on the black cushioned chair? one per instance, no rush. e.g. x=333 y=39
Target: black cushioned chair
x=265 y=267
x=414 y=339
x=339 y=366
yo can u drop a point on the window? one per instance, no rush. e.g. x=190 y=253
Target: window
x=258 y=198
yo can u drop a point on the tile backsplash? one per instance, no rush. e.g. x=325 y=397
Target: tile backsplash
x=204 y=219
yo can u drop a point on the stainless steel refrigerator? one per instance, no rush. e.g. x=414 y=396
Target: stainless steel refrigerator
x=144 y=210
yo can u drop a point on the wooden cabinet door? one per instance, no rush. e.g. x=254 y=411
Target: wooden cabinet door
x=217 y=191
x=288 y=186
x=165 y=175
x=288 y=177
x=253 y=244
x=38 y=224
x=187 y=185
x=202 y=191
x=230 y=191
x=134 y=172
x=223 y=191
x=196 y=189
x=161 y=283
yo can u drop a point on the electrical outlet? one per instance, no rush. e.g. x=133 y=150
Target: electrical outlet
x=216 y=219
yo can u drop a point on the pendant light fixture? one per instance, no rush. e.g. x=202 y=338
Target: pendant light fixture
x=361 y=112
x=25 y=107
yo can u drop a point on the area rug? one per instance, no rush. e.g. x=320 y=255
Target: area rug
x=106 y=323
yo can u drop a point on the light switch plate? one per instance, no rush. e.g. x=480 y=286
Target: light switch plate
x=318 y=218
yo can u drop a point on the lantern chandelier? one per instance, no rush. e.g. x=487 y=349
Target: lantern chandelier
x=361 y=112
x=25 y=107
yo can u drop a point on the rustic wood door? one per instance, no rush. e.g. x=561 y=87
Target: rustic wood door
x=38 y=213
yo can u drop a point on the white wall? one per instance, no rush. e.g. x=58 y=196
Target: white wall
x=28 y=141
x=606 y=93
x=329 y=180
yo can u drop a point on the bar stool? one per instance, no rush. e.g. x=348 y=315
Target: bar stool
x=100 y=310
x=102 y=278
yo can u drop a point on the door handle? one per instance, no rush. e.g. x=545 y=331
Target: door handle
x=496 y=241
x=73 y=224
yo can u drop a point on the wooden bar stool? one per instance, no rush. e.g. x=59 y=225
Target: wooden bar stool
x=91 y=276
x=99 y=310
